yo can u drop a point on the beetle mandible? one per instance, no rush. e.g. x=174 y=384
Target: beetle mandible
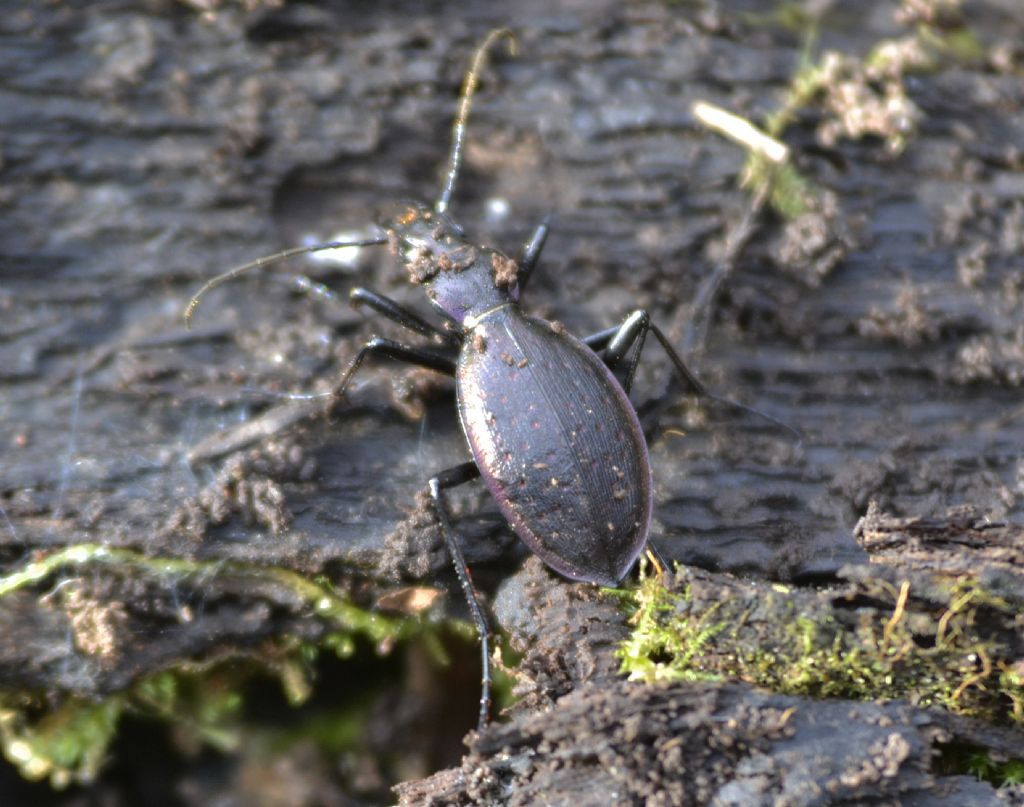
x=551 y=430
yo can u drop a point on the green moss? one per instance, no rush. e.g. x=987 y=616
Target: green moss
x=653 y=653
x=964 y=759
x=319 y=594
x=795 y=643
x=858 y=96
x=789 y=16
x=67 y=744
x=1001 y=774
x=790 y=193
x=202 y=700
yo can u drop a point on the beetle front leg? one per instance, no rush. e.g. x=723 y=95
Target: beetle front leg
x=397 y=312
x=384 y=306
x=451 y=478
x=378 y=346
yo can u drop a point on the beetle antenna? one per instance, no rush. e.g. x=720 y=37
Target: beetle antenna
x=258 y=392
x=466 y=100
x=266 y=260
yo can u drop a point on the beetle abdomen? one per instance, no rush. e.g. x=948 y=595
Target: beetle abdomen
x=558 y=444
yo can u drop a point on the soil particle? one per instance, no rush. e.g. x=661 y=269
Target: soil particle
x=812 y=244
x=457 y=260
x=505 y=270
x=908 y=323
x=414 y=550
x=883 y=761
x=565 y=633
x=421 y=266
x=248 y=485
x=863 y=99
x=971 y=264
x=991 y=358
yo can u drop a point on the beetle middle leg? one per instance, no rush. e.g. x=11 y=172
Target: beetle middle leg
x=451 y=478
x=438 y=360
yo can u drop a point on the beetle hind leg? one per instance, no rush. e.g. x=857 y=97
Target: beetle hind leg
x=451 y=478
x=618 y=342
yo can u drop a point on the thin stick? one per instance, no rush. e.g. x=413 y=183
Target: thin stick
x=741 y=131
x=695 y=338
x=755 y=141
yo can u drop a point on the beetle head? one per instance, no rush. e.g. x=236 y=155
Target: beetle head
x=425 y=241
x=463 y=280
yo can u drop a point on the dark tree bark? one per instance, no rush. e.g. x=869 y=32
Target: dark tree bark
x=145 y=147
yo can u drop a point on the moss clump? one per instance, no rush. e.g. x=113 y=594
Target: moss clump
x=857 y=97
x=67 y=744
x=960 y=759
x=65 y=737
x=951 y=647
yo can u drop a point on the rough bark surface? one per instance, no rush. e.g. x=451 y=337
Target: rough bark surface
x=704 y=744
x=146 y=146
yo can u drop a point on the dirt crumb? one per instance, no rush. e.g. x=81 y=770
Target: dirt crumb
x=506 y=271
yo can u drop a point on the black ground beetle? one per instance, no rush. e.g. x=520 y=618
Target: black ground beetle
x=551 y=429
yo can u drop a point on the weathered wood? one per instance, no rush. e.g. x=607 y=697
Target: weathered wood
x=703 y=744
x=146 y=147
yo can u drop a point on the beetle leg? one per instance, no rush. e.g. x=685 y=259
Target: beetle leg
x=397 y=312
x=451 y=478
x=423 y=357
x=631 y=335
x=531 y=253
x=599 y=341
x=635 y=330
x=385 y=306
